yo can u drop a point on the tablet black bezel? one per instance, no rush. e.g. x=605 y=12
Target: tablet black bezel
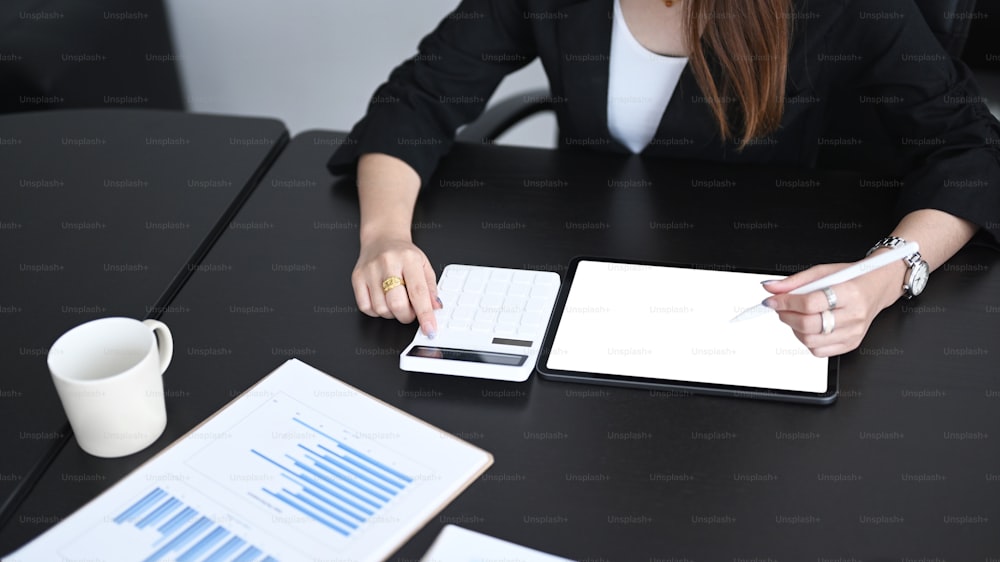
x=669 y=385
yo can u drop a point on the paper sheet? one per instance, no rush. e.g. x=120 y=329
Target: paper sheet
x=456 y=544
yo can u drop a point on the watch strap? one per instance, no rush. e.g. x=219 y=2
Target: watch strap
x=892 y=242
x=912 y=261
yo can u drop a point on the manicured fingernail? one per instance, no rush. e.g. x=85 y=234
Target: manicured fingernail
x=431 y=334
x=437 y=298
x=766 y=281
x=768 y=303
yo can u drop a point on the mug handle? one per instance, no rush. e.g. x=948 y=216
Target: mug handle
x=165 y=342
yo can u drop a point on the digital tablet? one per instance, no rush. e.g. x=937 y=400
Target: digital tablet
x=667 y=327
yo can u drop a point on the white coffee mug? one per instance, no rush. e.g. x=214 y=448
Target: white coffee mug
x=108 y=373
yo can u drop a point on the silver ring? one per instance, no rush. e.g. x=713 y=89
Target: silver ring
x=828 y=322
x=831 y=297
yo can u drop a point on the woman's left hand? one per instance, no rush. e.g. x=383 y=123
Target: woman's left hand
x=856 y=303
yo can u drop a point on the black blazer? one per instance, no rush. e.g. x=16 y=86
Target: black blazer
x=845 y=54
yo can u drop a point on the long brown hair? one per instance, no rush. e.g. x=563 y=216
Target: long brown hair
x=747 y=41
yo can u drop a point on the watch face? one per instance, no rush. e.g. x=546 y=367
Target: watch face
x=918 y=278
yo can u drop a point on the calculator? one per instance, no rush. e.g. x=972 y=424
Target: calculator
x=491 y=326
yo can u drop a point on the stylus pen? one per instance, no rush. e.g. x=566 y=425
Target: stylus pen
x=857 y=270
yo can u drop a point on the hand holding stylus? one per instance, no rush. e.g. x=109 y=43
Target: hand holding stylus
x=830 y=307
x=857 y=270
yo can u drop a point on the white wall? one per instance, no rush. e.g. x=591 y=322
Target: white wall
x=312 y=63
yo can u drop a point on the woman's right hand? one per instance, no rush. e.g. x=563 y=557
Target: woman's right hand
x=384 y=257
x=387 y=192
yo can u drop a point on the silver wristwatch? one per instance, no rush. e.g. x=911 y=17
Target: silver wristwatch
x=916 y=278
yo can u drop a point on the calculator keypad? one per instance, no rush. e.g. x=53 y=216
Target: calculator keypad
x=505 y=302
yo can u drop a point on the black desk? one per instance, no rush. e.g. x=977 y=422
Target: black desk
x=102 y=213
x=903 y=465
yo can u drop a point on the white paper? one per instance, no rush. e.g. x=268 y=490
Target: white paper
x=456 y=544
x=674 y=323
x=300 y=467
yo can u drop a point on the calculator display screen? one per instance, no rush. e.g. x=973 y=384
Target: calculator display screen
x=488 y=357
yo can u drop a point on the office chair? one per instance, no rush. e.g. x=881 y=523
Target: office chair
x=950 y=31
x=101 y=53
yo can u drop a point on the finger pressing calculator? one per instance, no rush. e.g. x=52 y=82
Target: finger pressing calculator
x=491 y=326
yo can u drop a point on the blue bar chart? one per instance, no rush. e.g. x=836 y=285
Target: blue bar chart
x=176 y=531
x=295 y=476
x=334 y=483
x=311 y=473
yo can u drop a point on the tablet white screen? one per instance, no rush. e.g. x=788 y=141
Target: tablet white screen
x=658 y=322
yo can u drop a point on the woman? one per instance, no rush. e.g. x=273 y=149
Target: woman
x=738 y=80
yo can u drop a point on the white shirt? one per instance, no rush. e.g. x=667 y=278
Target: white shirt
x=640 y=85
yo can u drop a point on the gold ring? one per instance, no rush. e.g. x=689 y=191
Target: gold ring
x=391 y=283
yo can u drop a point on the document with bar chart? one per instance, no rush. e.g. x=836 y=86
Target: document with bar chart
x=299 y=467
